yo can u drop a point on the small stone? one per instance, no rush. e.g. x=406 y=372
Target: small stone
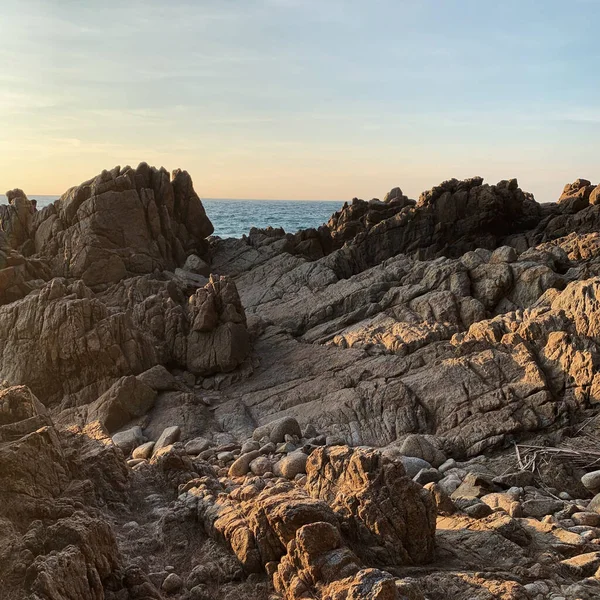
x=197 y=445
x=157 y=578
x=281 y=427
x=172 y=583
x=427 y=476
x=319 y=440
x=285 y=448
x=478 y=510
x=540 y=507
x=309 y=431
x=241 y=466
x=474 y=486
x=293 y=464
x=449 y=483
x=565 y=496
x=592 y=481
x=515 y=492
x=419 y=446
x=412 y=465
x=169 y=436
x=127 y=440
x=590 y=519
x=444 y=505
x=135 y=461
x=503 y=502
x=250 y=446
x=194 y=264
x=225 y=456
x=594 y=504
x=503 y=254
x=261 y=465
x=583 y=565
x=447 y=465
x=268 y=448
x=519 y=479
x=335 y=440
x=144 y=451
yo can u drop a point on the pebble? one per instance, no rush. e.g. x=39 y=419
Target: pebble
x=250 y=446
x=225 y=456
x=172 y=583
x=446 y=465
x=293 y=464
x=427 y=476
x=197 y=445
x=413 y=465
x=169 y=436
x=478 y=510
x=592 y=481
x=143 y=451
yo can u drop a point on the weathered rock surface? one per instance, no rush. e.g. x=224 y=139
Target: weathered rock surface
x=251 y=382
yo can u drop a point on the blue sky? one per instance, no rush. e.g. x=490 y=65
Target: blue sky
x=301 y=99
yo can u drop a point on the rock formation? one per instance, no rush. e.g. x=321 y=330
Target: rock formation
x=398 y=404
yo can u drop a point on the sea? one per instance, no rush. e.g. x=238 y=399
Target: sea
x=234 y=218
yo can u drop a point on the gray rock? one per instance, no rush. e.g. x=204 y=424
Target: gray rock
x=268 y=448
x=427 y=476
x=172 y=583
x=283 y=427
x=594 y=504
x=158 y=378
x=449 y=483
x=541 y=507
x=197 y=445
x=419 y=446
x=276 y=430
x=413 y=465
x=479 y=510
x=285 y=448
x=250 y=446
x=127 y=440
x=169 y=436
x=309 y=431
x=293 y=464
x=592 y=481
x=588 y=518
x=518 y=479
x=226 y=456
x=505 y=254
x=190 y=279
x=447 y=465
x=335 y=440
x=261 y=465
x=194 y=264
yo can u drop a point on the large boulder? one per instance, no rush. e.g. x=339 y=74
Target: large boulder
x=53 y=543
x=121 y=223
x=67 y=346
x=389 y=518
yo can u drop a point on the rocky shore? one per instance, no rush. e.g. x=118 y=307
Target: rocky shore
x=402 y=404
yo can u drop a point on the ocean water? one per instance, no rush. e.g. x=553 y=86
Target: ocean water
x=234 y=218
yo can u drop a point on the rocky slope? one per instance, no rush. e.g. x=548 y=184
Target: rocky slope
x=400 y=404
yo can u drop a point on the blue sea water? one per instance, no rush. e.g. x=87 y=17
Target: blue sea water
x=234 y=218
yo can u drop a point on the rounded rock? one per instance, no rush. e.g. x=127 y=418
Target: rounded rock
x=172 y=583
x=293 y=464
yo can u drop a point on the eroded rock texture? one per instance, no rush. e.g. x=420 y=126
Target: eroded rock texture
x=291 y=413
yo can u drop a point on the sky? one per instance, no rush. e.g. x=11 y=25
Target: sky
x=301 y=99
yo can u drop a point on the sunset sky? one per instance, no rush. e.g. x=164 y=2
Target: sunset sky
x=301 y=99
